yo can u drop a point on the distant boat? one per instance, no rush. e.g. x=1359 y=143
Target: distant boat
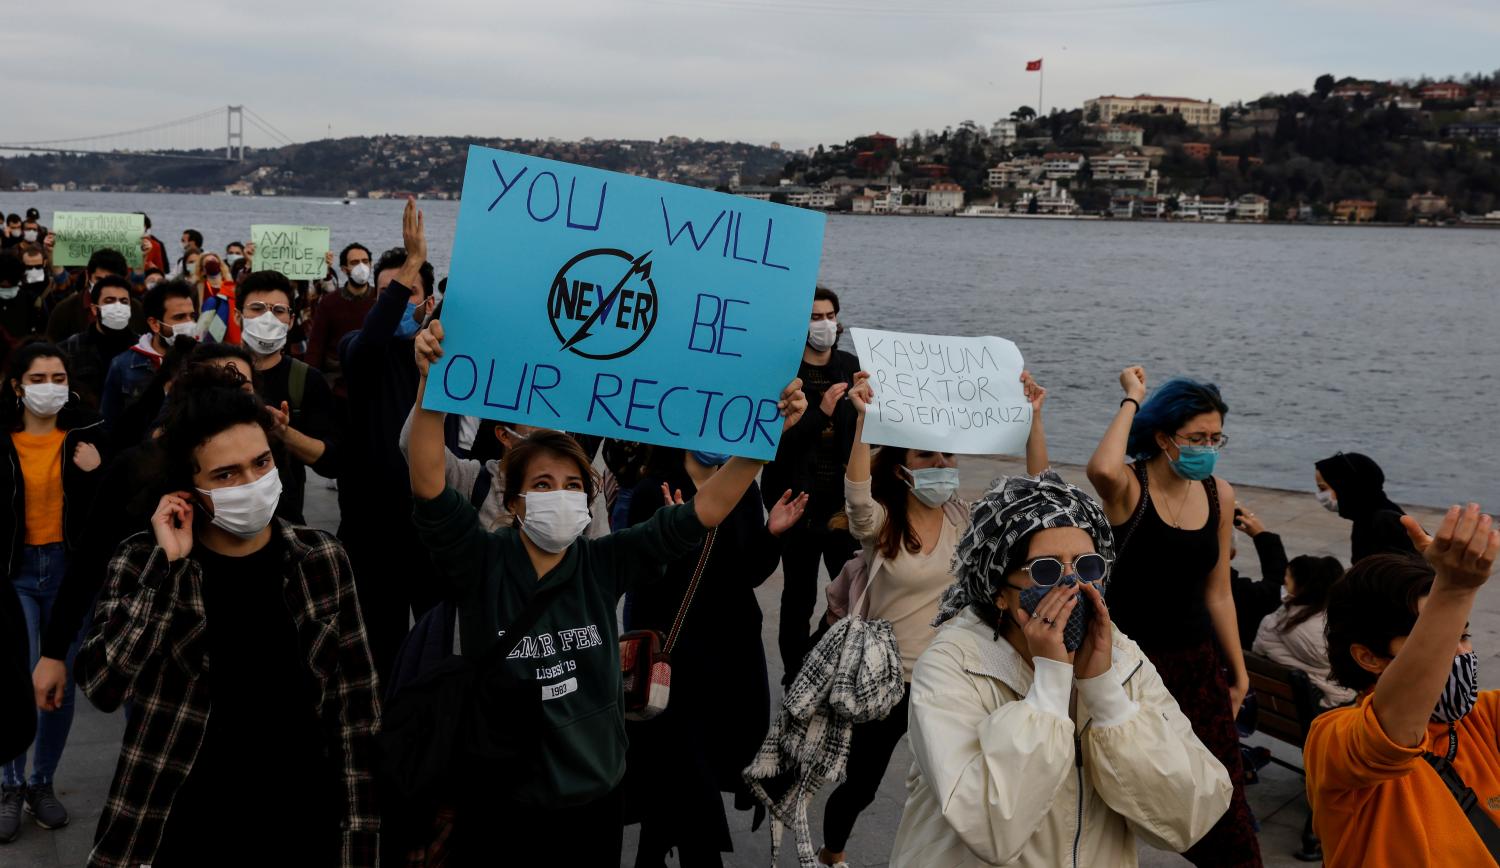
x=993 y=211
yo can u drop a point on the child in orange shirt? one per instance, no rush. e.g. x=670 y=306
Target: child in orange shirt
x=1398 y=632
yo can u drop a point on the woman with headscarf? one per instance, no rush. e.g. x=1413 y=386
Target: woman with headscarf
x=1041 y=734
x=1353 y=486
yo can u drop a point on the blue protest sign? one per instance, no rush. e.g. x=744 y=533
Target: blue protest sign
x=609 y=304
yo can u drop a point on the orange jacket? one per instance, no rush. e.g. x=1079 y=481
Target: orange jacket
x=1376 y=803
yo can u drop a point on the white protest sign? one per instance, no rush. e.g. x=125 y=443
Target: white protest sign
x=944 y=393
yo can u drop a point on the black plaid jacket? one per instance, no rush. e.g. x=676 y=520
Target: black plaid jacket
x=148 y=644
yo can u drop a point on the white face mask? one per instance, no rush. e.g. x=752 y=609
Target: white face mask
x=360 y=273
x=114 y=316
x=265 y=334
x=36 y=275
x=554 y=519
x=170 y=336
x=823 y=334
x=29 y=235
x=9 y=292
x=232 y=259
x=245 y=510
x=45 y=399
x=1325 y=497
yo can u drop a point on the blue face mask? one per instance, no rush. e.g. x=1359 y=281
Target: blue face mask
x=934 y=486
x=1196 y=463
x=408 y=326
x=711 y=459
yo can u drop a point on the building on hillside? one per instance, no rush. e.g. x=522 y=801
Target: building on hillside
x=1003 y=133
x=792 y=194
x=1445 y=91
x=1052 y=200
x=1121 y=167
x=863 y=203
x=944 y=197
x=1125 y=207
x=1352 y=89
x=1197 y=112
x=1252 y=207
x=1353 y=211
x=1209 y=209
x=1489 y=132
x=1014 y=173
x=1153 y=207
x=1060 y=165
x=1427 y=204
x=1196 y=150
x=1128 y=135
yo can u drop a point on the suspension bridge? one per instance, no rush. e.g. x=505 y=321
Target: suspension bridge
x=197 y=138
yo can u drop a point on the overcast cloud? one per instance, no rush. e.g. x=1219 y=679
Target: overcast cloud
x=755 y=70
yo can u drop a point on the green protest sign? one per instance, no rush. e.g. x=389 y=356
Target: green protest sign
x=295 y=251
x=80 y=233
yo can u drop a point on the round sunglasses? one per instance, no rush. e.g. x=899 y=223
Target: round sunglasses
x=1091 y=567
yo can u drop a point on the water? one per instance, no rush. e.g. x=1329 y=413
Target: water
x=1384 y=341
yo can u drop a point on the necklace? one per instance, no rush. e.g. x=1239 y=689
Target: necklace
x=1176 y=517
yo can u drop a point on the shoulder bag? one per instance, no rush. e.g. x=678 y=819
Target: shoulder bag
x=646 y=659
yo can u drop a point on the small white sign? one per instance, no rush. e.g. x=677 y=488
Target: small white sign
x=944 y=393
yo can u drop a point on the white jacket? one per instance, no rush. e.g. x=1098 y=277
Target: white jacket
x=1004 y=775
x=1303 y=647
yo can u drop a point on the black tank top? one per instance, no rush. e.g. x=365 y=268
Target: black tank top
x=1157 y=585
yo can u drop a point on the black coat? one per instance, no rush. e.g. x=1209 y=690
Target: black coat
x=1358 y=485
x=1254 y=600
x=720 y=706
x=82 y=426
x=17 y=705
x=796 y=461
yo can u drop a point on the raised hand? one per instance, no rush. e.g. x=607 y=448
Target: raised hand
x=1133 y=381
x=172 y=523
x=793 y=403
x=1463 y=551
x=786 y=512
x=1036 y=396
x=862 y=394
x=1044 y=627
x=249 y=253
x=428 y=346
x=86 y=457
x=832 y=397
x=281 y=417
x=670 y=497
x=1249 y=524
x=1094 y=656
x=413 y=233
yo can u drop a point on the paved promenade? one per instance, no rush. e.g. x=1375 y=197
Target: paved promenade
x=1278 y=801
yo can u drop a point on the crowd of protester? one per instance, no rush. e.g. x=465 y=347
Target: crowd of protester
x=447 y=680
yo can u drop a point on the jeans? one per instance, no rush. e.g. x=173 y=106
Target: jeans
x=37 y=584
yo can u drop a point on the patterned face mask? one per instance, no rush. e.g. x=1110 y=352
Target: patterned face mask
x=1461 y=691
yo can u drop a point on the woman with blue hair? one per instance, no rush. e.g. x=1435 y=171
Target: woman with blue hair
x=1170 y=588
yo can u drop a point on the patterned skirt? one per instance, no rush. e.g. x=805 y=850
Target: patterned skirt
x=1196 y=678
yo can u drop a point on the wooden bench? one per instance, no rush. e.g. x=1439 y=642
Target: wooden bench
x=1287 y=702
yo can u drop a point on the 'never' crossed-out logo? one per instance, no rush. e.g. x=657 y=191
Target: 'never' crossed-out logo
x=603 y=303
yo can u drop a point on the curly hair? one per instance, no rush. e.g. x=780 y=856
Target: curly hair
x=205 y=401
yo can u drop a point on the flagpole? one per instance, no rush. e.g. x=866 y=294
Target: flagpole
x=1041 y=78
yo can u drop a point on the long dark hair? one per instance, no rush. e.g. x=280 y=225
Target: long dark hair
x=1314 y=577
x=19 y=363
x=889 y=490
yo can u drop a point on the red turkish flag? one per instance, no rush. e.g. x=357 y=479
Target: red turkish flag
x=1034 y=65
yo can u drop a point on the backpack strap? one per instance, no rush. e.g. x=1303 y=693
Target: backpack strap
x=296 y=386
x=1484 y=826
x=692 y=588
x=481 y=490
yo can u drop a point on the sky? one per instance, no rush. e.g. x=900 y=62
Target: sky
x=797 y=72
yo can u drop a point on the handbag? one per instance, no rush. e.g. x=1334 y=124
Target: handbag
x=646 y=658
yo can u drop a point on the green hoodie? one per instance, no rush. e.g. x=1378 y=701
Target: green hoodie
x=573 y=652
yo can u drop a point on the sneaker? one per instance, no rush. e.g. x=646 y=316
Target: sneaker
x=44 y=807
x=10 y=813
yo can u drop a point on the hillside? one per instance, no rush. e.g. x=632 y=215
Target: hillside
x=423 y=164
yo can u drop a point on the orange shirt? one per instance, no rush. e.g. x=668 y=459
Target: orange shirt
x=1376 y=803
x=41 y=468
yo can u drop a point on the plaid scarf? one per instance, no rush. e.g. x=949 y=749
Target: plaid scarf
x=1013 y=509
x=852 y=675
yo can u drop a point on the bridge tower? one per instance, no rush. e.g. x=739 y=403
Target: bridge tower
x=234 y=124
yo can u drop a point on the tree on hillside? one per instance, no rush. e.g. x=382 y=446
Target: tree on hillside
x=1023 y=114
x=1324 y=85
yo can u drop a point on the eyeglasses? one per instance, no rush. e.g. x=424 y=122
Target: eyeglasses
x=1046 y=572
x=1218 y=441
x=260 y=307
